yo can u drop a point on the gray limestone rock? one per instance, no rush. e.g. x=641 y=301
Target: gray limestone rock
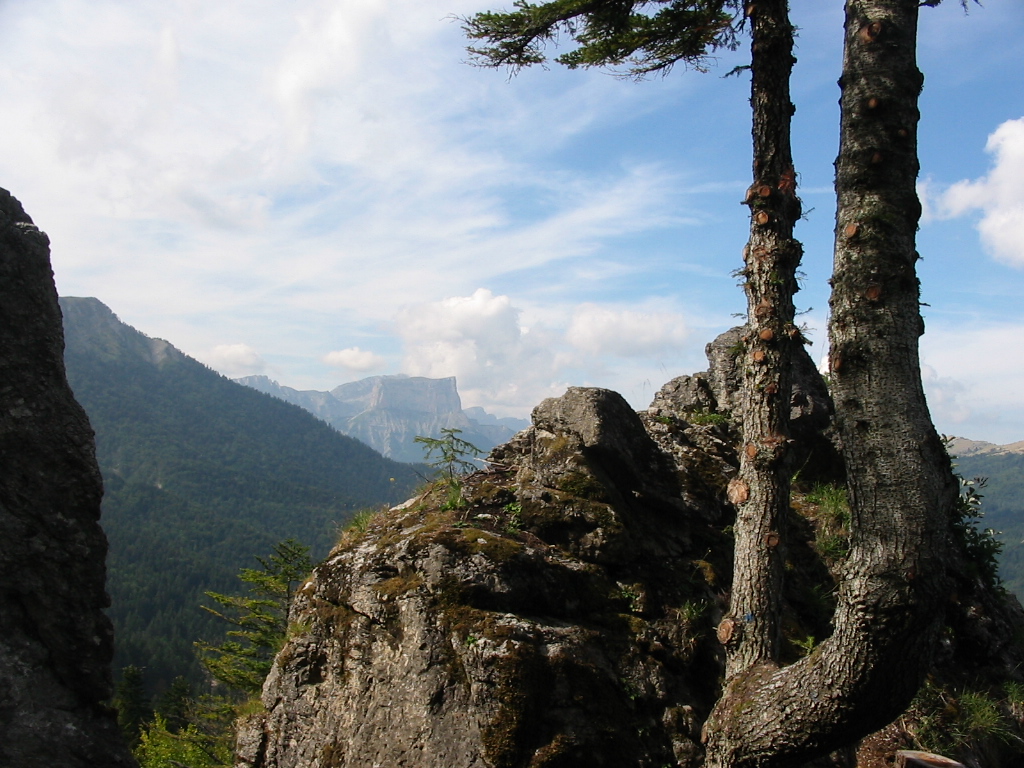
x=56 y=644
x=718 y=389
x=717 y=392
x=551 y=621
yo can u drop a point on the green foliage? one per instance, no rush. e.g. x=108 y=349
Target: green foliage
x=1004 y=509
x=832 y=520
x=174 y=705
x=648 y=35
x=205 y=741
x=692 y=611
x=1015 y=698
x=260 y=619
x=702 y=417
x=449 y=454
x=513 y=517
x=950 y=722
x=163 y=748
x=982 y=547
x=631 y=594
x=360 y=521
x=806 y=644
x=832 y=503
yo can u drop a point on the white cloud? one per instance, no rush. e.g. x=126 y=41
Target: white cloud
x=235 y=360
x=626 y=333
x=295 y=171
x=354 y=359
x=945 y=397
x=479 y=339
x=509 y=365
x=298 y=157
x=999 y=195
x=972 y=378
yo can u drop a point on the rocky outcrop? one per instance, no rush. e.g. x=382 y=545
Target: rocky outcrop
x=718 y=390
x=556 y=620
x=562 y=613
x=56 y=644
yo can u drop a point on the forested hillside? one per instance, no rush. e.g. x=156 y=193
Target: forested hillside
x=201 y=475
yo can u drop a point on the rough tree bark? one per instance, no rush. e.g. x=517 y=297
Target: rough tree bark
x=760 y=492
x=900 y=482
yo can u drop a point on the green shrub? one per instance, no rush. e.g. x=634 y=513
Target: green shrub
x=980 y=546
x=948 y=722
x=832 y=529
x=703 y=417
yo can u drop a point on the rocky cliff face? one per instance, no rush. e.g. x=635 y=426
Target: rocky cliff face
x=564 y=615
x=56 y=644
x=402 y=393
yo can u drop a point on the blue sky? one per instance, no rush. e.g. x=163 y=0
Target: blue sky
x=321 y=190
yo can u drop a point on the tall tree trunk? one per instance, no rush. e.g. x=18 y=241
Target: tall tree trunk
x=902 y=489
x=901 y=486
x=761 y=490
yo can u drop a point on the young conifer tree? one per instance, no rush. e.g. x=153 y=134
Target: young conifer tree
x=260 y=619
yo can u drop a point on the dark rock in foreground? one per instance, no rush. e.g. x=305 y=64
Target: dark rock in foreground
x=56 y=644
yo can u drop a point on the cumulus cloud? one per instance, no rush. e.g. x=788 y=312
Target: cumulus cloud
x=946 y=397
x=235 y=360
x=972 y=379
x=625 y=333
x=509 y=358
x=354 y=359
x=480 y=340
x=999 y=195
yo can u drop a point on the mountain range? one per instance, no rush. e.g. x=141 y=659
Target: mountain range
x=962 y=447
x=389 y=412
x=202 y=474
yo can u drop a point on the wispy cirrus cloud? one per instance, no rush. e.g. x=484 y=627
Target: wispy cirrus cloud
x=261 y=163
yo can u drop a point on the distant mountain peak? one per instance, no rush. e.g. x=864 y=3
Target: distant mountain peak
x=415 y=394
x=92 y=328
x=389 y=412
